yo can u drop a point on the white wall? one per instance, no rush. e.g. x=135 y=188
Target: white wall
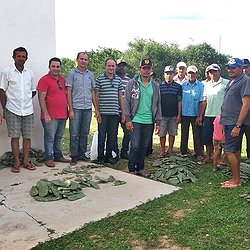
x=30 y=24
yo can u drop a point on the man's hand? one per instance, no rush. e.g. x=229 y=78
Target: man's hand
x=98 y=116
x=157 y=130
x=123 y=120
x=130 y=126
x=47 y=118
x=235 y=132
x=178 y=119
x=71 y=114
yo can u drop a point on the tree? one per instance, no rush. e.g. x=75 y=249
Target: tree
x=67 y=65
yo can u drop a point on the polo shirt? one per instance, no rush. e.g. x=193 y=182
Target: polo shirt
x=232 y=102
x=108 y=94
x=18 y=88
x=214 y=92
x=82 y=84
x=56 y=100
x=171 y=94
x=178 y=80
x=192 y=95
x=144 y=113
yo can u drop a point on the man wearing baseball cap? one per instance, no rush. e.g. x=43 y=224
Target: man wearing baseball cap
x=213 y=97
x=235 y=117
x=181 y=75
x=192 y=97
x=142 y=108
x=171 y=93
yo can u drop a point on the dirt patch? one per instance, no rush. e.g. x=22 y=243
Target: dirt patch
x=181 y=213
x=138 y=245
x=167 y=244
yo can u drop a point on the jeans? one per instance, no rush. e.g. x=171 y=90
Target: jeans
x=140 y=138
x=53 y=133
x=185 y=123
x=125 y=140
x=107 y=128
x=79 y=130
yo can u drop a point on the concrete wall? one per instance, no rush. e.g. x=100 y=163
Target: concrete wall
x=31 y=24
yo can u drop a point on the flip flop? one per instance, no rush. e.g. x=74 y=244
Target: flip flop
x=29 y=167
x=230 y=185
x=15 y=169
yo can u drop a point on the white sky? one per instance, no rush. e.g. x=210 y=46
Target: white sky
x=89 y=24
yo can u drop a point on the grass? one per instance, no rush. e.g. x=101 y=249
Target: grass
x=199 y=216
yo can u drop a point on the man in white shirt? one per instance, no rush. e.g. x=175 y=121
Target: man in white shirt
x=17 y=88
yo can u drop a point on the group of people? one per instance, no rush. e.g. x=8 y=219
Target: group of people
x=216 y=108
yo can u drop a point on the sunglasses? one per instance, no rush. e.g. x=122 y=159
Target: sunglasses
x=59 y=84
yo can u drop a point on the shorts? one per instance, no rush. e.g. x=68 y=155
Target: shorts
x=233 y=144
x=168 y=126
x=218 y=144
x=19 y=125
x=207 y=131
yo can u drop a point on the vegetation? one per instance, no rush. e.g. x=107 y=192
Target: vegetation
x=162 y=54
x=200 y=215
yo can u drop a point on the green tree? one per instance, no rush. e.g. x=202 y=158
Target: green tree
x=67 y=65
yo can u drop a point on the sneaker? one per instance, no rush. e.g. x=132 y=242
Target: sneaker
x=62 y=159
x=143 y=173
x=84 y=158
x=73 y=161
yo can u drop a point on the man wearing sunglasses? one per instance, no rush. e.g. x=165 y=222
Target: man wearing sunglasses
x=53 y=103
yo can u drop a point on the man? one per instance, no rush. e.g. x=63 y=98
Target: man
x=235 y=117
x=213 y=97
x=17 y=88
x=246 y=70
x=142 y=108
x=171 y=93
x=181 y=76
x=80 y=86
x=108 y=99
x=53 y=103
x=192 y=96
x=121 y=72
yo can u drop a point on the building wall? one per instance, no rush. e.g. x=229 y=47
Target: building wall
x=30 y=24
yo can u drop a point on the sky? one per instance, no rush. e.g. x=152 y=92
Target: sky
x=83 y=25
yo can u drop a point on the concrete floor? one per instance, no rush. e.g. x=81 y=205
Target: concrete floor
x=24 y=222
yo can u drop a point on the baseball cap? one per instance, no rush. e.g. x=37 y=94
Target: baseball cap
x=145 y=62
x=214 y=66
x=192 y=68
x=122 y=62
x=235 y=62
x=169 y=68
x=246 y=62
x=207 y=69
x=181 y=64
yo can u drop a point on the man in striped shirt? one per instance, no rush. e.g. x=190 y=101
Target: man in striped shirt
x=171 y=93
x=108 y=98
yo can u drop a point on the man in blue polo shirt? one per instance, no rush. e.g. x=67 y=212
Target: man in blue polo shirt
x=235 y=117
x=192 y=96
x=142 y=108
x=171 y=93
x=108 y=99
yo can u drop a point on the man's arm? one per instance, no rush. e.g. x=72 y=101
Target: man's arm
x=70 y=105
x=96 y=105
x=42 y=102
x=3 y=98
x=121 y=103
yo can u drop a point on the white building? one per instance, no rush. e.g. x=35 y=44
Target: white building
x=30 y=24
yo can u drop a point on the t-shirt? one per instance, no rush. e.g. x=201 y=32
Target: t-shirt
x=144 y=113
x=56 y=100
x=171 y=94
x=109 y=94
x=218 y=135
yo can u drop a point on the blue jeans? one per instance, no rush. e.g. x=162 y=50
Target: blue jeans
x=140 y=138
x=107 y=128
x=53 y=133
x=79 y=130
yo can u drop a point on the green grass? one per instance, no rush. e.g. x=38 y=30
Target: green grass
x=201 y=215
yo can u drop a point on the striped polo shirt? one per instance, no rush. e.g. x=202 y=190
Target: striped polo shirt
x=108 y=94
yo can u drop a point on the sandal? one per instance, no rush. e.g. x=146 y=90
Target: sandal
x=29 y=166
x=15 y=169
x=143 y=173
x=230 y=185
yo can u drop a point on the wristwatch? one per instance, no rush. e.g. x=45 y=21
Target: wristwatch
x=238 y=126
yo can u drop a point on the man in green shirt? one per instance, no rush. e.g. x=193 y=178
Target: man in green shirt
x=142 y=108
